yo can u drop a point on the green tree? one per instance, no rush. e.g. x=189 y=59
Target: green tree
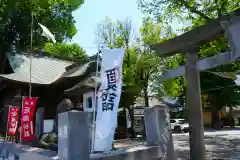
x=65 y=50
x=16 y=22
x=124 y=29
x=197 y=13
x=117 y=34
x=187 y=10
x=152 y=33
x=140 y=64
x=149 y=65
x=108 y=32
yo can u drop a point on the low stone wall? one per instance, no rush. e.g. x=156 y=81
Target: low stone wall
x=7 y=155
x=73 y=141
x=135 y=153
x=13 y=151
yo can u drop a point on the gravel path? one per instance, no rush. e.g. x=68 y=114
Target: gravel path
x=219 y=145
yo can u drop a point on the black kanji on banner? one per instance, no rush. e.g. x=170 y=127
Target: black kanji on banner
x=108 y=97
x=112 y=97
x=111 y=76
x=111 y=79
x=104 y=96
x=112 y=87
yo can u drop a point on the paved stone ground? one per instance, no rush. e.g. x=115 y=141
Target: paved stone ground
x=219 y=145
x=128 y=143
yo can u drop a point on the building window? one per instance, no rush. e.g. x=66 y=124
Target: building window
x=89 y=102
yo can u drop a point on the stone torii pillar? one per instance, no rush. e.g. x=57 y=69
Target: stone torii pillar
x=196 y=130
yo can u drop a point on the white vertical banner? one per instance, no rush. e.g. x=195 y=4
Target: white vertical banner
x=108 y=98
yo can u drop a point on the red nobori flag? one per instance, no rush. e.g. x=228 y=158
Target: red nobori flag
x=13 y=118
x=28 y=110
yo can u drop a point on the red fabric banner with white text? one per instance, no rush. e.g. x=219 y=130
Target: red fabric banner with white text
x=28 y=110
x=13 y=119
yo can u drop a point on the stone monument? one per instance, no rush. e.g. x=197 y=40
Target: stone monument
x=64 y=106
x=158 y=132
x=73 y=136
x=39 y=123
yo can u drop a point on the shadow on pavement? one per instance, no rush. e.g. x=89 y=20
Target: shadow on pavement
x=237 y=128
x=217 y=147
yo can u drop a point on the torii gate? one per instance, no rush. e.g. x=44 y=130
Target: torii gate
x=189 y=43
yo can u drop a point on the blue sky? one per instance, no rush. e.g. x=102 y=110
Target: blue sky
x=92 y=12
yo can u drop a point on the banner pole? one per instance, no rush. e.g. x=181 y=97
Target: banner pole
x=95 y=103
x=30 y=66
x=7 y=123
x=21 y=121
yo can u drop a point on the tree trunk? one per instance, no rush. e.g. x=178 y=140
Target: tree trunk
x=4 y=48
x=125 y=119
x=146 y=96
x=3 y=65
x=216 y=120
x=133 y=133
x=230 y=117
x=2 y=62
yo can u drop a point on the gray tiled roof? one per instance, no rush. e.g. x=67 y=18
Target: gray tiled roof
x=81 y=69
x=45 y=70
x=153 y=101
x=89 y=82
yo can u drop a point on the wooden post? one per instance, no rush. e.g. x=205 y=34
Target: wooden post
x=196 y=130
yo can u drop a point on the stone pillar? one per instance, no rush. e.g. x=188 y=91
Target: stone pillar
x=231 y=27
x=39 y=123
x=91 y=128
x=73 y=136
x=158 y=132
x=196 y=130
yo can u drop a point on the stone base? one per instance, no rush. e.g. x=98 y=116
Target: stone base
x=136 y=152
x=142 y=152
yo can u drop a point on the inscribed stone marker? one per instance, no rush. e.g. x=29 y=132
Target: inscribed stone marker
x=73 y=136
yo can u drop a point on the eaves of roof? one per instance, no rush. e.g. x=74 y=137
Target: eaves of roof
x=44 y=69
